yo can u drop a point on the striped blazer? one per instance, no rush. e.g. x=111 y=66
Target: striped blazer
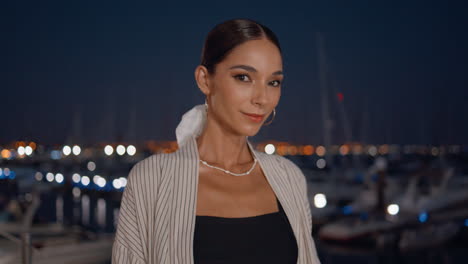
x=157 y=214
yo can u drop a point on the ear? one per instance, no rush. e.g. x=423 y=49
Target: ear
x=202 y=77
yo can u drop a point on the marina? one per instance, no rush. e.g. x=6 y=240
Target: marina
x=399 y=201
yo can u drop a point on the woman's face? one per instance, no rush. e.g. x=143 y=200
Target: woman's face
x=247 y=82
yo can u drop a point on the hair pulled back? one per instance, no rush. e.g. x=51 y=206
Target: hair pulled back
x=229 y=34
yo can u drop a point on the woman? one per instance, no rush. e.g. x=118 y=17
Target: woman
x=216 y=199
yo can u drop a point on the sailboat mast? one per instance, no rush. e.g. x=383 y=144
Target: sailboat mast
x=326 y=120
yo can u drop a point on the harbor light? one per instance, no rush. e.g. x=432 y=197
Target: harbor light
x=32 y=145
x=423 y=217
x=393 y=209
x=344 y=150
x=66 y=150
x=383 y=149
x=372 y=151
x=381 y=163
x=50 y=177
x=321 y=163
x=6 y=154
x=38 y=176
x=7 y=173
x=320 y=150
x=357 y=150
x=85 y=180
x=131 y=150
x=28 y=150
x=76 y=178
x=101 y=182
x=91 y=166
x=123 y=180
x=96 y=179
x=117 y=183
x=120 y=150
x=108 y=150
x=76 y=150
x=320 y=200
x=59 y=178
x=292 y=150
x=309 y=150
x=270 y=149
x=20 y=150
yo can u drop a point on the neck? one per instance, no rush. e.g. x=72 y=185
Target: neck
x=227 y=150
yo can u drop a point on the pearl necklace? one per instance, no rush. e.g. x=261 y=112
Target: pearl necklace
x=229 y=172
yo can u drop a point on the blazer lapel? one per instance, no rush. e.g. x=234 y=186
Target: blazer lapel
x=185 y=201
x=278 y=179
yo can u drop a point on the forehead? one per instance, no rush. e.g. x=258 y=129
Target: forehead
x=261 y=54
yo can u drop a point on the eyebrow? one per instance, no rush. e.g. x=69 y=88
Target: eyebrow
x=252 y=69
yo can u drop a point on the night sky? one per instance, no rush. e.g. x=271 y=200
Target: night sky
x=124 y=71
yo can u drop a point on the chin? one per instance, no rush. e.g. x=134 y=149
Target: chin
x=250 y=131
x=245 y=128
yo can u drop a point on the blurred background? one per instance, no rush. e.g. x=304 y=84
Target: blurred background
x=372 y=110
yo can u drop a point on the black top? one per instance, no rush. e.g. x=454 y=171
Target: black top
x=266 y=238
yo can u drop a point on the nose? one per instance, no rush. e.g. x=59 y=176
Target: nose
x=260 y=95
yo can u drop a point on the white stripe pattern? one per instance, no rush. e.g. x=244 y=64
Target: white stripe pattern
x=158 y=210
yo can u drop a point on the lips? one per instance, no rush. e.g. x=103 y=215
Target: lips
x=255 y=117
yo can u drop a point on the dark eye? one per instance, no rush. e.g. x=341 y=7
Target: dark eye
x=276 y=83
x=241 y=77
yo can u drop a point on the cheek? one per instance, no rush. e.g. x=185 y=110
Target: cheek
x=235 y=95
x=276 y=95
x=228 y=97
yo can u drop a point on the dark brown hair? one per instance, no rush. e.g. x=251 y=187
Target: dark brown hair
x=229 y=34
